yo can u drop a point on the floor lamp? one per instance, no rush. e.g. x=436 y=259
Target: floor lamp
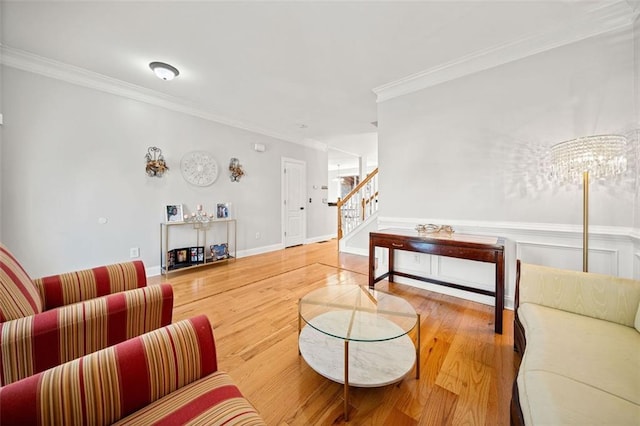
x=589 y=157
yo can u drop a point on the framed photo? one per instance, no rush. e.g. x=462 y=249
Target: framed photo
x=222 y=211
x=171 y=259
x=182 y=257
x=196 y=254
x=174 y=213
x=219 y=251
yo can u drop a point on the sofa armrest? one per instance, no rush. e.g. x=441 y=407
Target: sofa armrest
x=33 y=344
x=74 y=287
x=599 y=296
x=105 y=386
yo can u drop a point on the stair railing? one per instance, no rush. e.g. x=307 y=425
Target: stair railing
x=358 y=205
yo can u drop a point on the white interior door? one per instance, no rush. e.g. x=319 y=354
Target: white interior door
x=294 y=202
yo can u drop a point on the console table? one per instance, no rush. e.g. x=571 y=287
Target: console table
x=470 y=247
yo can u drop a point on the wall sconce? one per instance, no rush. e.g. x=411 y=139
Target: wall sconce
x=236 y=170
x=156 y=165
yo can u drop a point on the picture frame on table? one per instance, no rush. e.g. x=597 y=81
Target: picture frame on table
x=222 y=211
x=182 y=257
x=219 y=251
x=171 y=259
x=174 y=213
x=196 y=254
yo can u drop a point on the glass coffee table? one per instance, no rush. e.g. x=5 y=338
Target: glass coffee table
x=358 y=336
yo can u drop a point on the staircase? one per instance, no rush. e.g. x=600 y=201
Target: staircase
x=358 y=206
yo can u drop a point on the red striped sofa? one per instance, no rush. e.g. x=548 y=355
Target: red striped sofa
x=49 y=321
x=165 y=377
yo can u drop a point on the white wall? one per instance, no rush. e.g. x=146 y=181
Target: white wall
x=71 y=155
x=471 y=152
x=636 y=32
x=636 y=51
x=1 y=108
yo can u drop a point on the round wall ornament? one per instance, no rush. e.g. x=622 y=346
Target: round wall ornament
x=199 y=168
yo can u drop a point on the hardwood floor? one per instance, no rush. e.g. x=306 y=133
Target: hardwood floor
x=466 y=370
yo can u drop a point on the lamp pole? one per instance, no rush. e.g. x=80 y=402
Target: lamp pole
x=585 y=221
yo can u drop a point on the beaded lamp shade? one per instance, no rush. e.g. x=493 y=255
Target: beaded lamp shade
x=602 y=156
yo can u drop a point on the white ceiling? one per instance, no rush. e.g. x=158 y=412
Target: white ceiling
x=301 y=70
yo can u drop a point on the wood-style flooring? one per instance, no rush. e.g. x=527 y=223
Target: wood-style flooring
x=467 y=371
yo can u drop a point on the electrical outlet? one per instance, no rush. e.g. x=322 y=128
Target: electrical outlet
x=257 y=235
x=134 y=252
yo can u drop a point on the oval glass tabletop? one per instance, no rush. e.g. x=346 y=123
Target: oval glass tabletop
x=357 y=313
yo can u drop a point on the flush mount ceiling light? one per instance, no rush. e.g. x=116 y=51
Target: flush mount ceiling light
x=164 y=71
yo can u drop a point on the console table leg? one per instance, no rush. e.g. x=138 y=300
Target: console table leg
x=346 y=380
x=391 y=263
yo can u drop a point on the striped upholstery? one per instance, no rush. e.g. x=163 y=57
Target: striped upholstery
x=38 y=342
x=73 y=287
x=18 y=296
x=34 y=336
x=167 y=376
x=213 y=400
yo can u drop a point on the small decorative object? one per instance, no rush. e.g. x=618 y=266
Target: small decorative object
x=199 y=216
x=156 y=165
x=430 y=228
x=222 y=211
x=219 y=251
x=174 y=213
x=236 y=170
x=199 y=168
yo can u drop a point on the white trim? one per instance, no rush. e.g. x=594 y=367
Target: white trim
x=607 y=18
x=27 y=61
x=259 y=250
x=608 y=232
x=152 y=271
x=355 y=250
x=320 y=239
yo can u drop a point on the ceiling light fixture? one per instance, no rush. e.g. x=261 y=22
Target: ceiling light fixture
x=164 y=71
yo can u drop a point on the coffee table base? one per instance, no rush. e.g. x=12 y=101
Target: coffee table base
x=371 y=364
x=355 y=363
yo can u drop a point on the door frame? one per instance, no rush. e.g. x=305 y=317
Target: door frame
x=283 y=210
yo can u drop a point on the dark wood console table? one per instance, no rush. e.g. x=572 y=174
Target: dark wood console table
x=470 y=247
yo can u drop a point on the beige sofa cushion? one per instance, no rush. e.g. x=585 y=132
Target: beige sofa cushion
x=595 y=295
x=552 y=399
x=600 y=353
x=637 y=323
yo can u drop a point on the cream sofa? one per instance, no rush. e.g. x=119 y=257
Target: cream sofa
x=579 y=336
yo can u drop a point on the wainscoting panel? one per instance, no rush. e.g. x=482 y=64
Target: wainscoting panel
x=563 y=256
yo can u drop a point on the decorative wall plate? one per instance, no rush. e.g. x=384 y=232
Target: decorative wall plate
x=199 y=168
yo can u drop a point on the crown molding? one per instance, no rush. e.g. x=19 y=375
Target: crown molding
x=600 y=20
x=26 y=61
